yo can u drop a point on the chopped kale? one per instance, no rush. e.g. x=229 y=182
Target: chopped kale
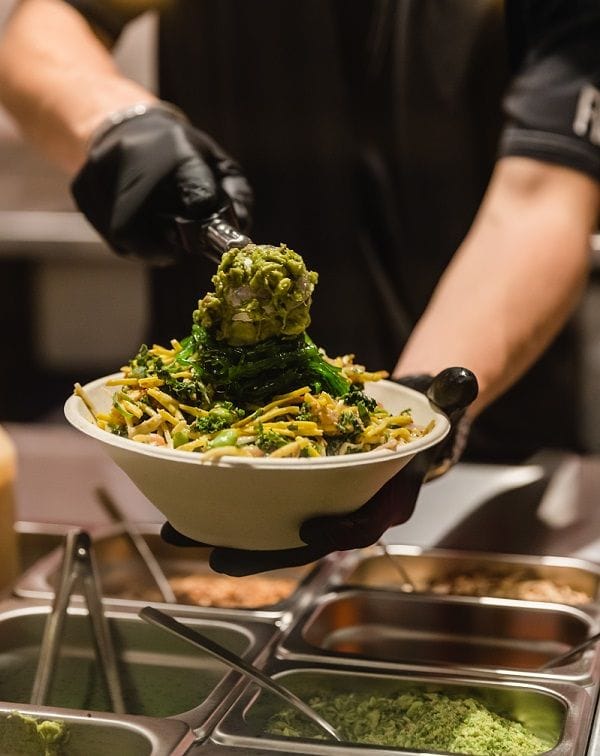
x=364 y=404
x=350 y=424
x=356 y=395
x=118 y=430
x=253 y=375
x=188 y=390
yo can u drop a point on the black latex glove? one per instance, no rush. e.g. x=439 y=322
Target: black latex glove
x=452 y=391
x=149 y=169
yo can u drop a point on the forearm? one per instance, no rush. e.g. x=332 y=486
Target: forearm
x=514 y=281
x=58 y=80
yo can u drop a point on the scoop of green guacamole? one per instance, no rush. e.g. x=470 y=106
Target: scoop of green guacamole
x=260 y=292
x=23 y=735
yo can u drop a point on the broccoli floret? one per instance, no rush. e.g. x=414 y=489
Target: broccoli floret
x=188 y=390
x=268 y=440
x=222 y=415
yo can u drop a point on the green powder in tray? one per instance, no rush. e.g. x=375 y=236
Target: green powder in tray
x=414 y=720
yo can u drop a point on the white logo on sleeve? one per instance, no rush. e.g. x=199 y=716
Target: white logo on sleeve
x=587 y=116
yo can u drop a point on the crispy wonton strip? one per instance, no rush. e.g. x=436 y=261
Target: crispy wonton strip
x=298 y=395
x=79 y=391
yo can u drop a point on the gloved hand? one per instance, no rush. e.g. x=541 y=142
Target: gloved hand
x=149 y=169
x=452 y=391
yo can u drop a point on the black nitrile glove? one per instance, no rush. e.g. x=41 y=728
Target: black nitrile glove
x=452 y=391
x=148 y=170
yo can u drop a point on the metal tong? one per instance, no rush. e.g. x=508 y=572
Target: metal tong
x=78 y=566
x=140 y=545
x=210 y=238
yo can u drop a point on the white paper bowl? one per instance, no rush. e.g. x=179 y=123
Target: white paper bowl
x=250 y=503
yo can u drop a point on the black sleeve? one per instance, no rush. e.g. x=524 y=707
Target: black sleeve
x=553 y=103
x=111 y=16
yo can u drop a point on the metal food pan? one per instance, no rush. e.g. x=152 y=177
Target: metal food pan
x=486 y=636
x=424 y=567
x=559 y=712
x=101 y=734
x=209 y=748
x=594 y=743
x=161 y=676
x=37 y=539
x=127 y=582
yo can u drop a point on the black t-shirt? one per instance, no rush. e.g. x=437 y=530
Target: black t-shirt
x=369 y=131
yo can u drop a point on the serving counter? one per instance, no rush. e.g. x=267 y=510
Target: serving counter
x=346 y=623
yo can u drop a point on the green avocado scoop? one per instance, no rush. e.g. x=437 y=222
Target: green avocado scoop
x=260 y=291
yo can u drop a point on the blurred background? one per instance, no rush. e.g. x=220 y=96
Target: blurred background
x=71 y=310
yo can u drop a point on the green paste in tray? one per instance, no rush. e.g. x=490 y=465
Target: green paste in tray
x=23 y=735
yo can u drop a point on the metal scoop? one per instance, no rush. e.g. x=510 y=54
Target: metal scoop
x=572 y=653
x=155 y=617
x=210 y=238
x=406 y=584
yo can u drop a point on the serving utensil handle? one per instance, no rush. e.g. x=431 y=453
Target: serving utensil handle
x=573 y=653
x=78 y=565
x=155 y=617
x=211 y=237
x=453 y=389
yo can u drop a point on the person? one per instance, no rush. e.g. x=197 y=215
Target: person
x=440 y=176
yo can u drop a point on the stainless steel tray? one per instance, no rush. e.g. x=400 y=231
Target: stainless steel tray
x=370 y=568
x=490 y=637
x=563 y=709
x=161 y=676
x=126 y=581
x=278 y=641
x=594 y=743
x=102 y=734
x=36 y=540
